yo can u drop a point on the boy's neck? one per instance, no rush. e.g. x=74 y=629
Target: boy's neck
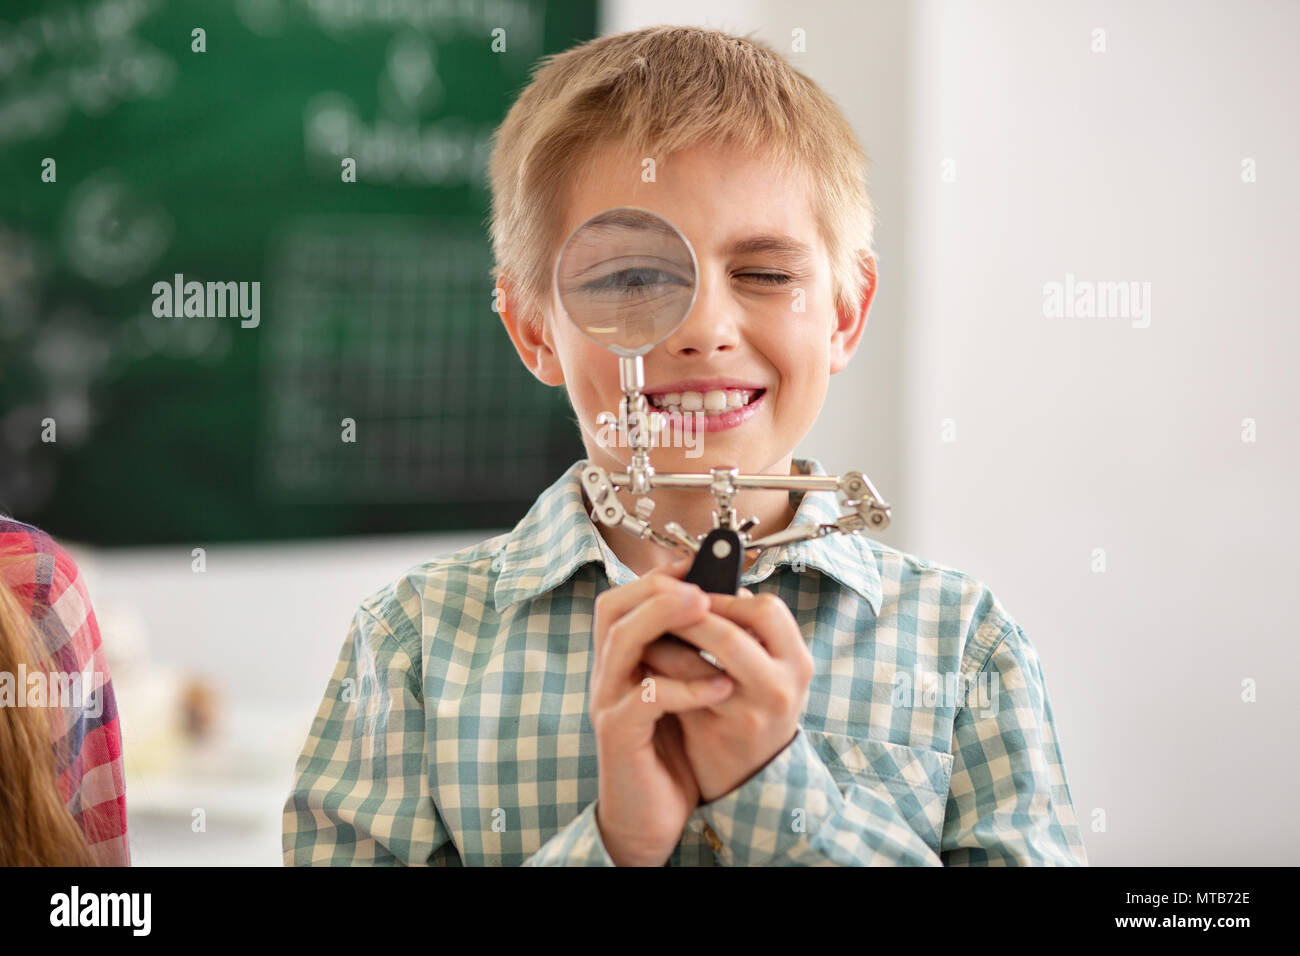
x=692 y=508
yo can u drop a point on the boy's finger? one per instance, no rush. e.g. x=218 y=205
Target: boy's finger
x=616 y=602
x=627 y=638
x=657 y=695
x=737 y=652
x=677 y=660
x=770 y=619
x=679 y=561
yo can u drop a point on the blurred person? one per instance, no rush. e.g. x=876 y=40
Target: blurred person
x=62 y=789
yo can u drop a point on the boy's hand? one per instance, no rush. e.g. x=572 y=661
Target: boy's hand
x=727 y=743
x=647 y=791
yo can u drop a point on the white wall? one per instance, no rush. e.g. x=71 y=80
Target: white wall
x=1079 y=434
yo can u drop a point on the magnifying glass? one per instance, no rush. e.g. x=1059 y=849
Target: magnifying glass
x=626 y=279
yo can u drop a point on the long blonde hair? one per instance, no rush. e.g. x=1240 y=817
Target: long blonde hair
x=36 y=827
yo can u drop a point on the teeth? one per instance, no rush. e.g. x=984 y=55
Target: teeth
x=713 y=402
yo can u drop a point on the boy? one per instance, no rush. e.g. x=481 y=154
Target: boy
x=512 y=703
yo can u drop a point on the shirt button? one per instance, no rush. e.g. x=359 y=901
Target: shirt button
x=712 y=838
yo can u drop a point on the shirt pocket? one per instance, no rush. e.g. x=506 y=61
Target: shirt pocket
x=915 y=779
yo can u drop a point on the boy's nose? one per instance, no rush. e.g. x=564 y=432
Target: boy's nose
x=711 y=326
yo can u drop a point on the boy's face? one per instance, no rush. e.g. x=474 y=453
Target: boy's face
x=751 y=225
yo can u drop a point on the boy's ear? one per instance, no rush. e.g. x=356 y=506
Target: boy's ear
x=529 y=332
x=851 y=324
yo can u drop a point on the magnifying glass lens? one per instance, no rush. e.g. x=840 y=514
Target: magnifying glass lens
x=626 y=279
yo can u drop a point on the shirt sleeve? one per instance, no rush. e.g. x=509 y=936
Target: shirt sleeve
x=578 y=843
x=793 y=813
x=1009 y=802
x=361 y=792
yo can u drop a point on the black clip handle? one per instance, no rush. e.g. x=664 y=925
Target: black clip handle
x=716 y=568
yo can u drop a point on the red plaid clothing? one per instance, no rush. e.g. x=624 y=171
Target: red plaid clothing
x=89 y=758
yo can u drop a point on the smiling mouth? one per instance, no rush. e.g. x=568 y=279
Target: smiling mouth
x=716 y=401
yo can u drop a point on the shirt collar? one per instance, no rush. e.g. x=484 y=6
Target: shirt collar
x=557 y=537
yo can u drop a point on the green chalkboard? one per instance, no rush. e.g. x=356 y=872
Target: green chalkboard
x=372 y=389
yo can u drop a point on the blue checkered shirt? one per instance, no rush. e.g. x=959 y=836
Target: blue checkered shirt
x=455 y=730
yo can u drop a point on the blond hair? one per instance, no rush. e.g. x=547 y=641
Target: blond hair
x=658 y=90
x=36 y=827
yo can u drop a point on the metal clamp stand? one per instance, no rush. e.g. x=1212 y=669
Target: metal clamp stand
x=719 y=554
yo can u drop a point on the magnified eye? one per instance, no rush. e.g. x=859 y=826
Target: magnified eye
x=634 y=283
x=626 y=278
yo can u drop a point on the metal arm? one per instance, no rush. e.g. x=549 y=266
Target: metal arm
x=866 y=509
x=856 y=492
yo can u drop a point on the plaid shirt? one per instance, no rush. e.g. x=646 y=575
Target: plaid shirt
x=455 y=730
x=89 y=749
